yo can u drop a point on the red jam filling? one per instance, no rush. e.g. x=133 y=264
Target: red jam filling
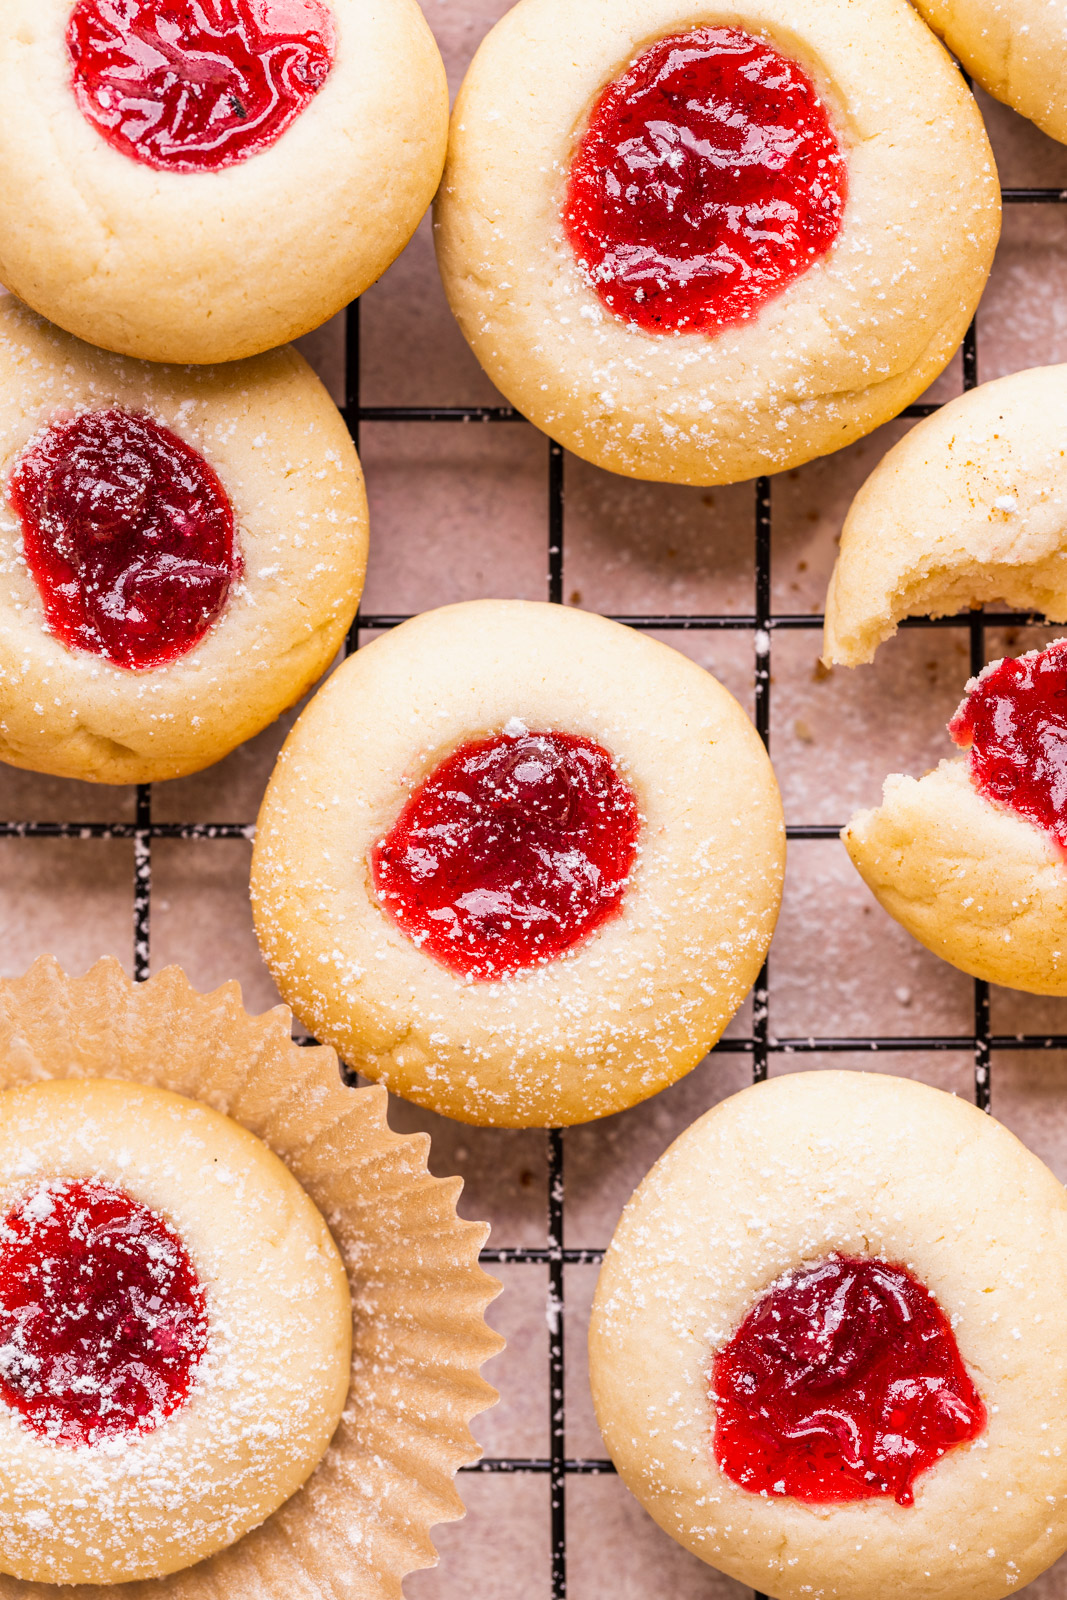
x=843 y=1383
x=194 y=85
x=708 y=180
x=1014 y=720
x=128 y=534
x=102 y=1316
x=510 y=852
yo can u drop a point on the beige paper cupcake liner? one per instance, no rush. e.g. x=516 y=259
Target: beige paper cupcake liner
x=363 y=1519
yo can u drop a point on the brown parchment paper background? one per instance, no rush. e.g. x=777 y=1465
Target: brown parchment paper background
x=362 y=1521
x=459 y=512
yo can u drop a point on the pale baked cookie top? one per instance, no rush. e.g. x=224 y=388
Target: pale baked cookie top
x=619 y=1013
x=778 y=1178
x=846 y=345
x=224 y=261
x=284 y=462
x=271 y=1373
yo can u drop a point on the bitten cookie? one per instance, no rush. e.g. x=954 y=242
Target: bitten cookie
x=200 y=183
x=828 y=1348
x=181 y=552
x=176 y=1332
x=1017 y=50
x=970 y=506
x=972 y=857
x=696 y=249
x=519 y=863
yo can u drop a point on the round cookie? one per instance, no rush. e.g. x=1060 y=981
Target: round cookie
x=844 y=346
x=969 y=507
x=781 y=1177
x=107 y=229
x=268 y=1387
x=279 y=456
x=625 y=1009
x=974 y=882
x=1016 y=49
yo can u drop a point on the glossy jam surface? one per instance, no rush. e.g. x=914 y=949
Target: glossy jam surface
x=511 y=851
x=708 y=180
x=194 y=85
x=1014 y=720
x=843 y=1383
x=102 y=1317
x=128 y=534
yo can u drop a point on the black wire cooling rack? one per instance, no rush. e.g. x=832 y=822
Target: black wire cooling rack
x=761 y=1044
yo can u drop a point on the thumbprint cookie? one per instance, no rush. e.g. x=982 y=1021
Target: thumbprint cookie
x=828 y=1348
x=972 y=857
x=1016 y=49
x=695 y=248
x=181 y=552
x=968 y=507
x=201 y=182
x=175 y=1332
x=192 y=1367
x=519 y=863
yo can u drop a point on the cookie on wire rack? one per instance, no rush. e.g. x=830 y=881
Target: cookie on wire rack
x=969 y=507
x=181 y=552
x=1016 y=49
x=828 y=1347
x=971 y=858
x=519 y=863
x=696 y=249
x=203 y=182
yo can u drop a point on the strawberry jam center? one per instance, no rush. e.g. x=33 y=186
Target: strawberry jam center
x=512 y=850
x=128 y=534
x=194 y=85
x=843 y=1383
x=708 y=180
x=1014 y=720
x=102 y=1317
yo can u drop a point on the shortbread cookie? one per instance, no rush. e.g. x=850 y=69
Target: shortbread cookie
x=181 y=552
x=695 y=249
x=202 y=182
x=175 y=1332
x=217 y=1168
x=1016 y=49
x=519 y=863
x=828 y=1348
x=970 y=506
x=972 y=858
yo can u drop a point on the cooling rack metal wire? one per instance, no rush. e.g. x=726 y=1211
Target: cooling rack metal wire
x=761 y=1044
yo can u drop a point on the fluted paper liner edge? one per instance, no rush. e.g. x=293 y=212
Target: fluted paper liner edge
x=362 y=1521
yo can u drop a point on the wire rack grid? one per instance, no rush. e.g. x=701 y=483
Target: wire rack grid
x=761 y=1044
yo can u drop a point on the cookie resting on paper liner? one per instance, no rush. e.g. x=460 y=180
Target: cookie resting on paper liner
x=217 y=1393
x=202 y=183
x=969 y=507
x=696 y=250
x=181 y=552
x=754 y=1325
x=519 y=863
x=243 y=1335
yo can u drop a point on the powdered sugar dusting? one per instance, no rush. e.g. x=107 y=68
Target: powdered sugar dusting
x=273 y=1364
x=102 y=1319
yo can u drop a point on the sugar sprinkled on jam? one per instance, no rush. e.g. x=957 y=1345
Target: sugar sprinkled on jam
x=102 y=1316
x=708 y=180
x=194 y=85
x=1014 y=720
x=128 y=534
x=513 y=849
x=844 y=1382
